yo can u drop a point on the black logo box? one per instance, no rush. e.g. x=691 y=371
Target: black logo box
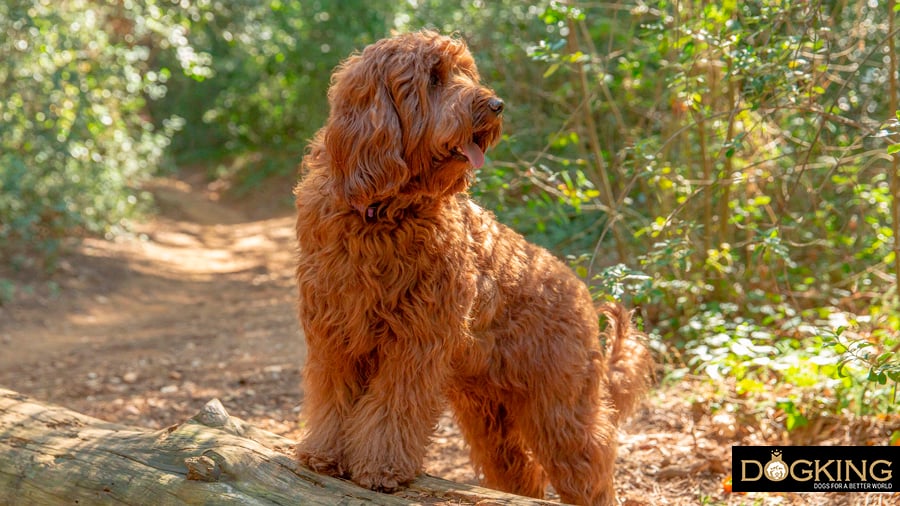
x=816 y=469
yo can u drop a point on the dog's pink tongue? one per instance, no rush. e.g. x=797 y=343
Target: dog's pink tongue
x=474 y=154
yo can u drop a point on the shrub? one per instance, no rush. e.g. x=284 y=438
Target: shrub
x=743 y=156
x=76 y=141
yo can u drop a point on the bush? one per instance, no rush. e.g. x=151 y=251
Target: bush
x=76 y=142
x=268 y=66
x=743 y=157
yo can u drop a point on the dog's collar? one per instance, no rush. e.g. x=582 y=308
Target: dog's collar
x=386 y=210
x=374 y=212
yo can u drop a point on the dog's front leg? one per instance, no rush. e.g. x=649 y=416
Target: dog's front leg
x=392 y=422
x=330 y=387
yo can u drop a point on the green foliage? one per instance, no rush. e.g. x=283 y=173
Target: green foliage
x=740 y=156
x=267 y=69
x=74 y=143
x=873 y=360
x=820 y=368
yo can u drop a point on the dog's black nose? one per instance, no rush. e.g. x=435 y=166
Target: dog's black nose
x=495 y=105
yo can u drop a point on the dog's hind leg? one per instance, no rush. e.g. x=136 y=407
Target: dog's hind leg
x=496 y=447
x=574 y=439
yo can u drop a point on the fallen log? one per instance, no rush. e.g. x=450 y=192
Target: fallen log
x=50 y=455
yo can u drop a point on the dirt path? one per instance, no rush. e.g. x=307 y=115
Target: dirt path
x=199 y=303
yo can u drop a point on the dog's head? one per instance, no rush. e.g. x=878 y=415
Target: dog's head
x=408 y=116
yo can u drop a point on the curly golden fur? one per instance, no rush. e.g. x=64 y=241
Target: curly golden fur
x=411 y=295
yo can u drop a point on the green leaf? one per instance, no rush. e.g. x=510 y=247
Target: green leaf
x=795 y=422
x=876 y=377
x=551 y=70
x=893 y=148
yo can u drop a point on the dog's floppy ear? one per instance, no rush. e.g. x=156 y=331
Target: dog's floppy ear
x=363 y=137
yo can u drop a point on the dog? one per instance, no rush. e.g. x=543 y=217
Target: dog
x=411 y=295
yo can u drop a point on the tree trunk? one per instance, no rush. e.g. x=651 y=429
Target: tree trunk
x=50 y=455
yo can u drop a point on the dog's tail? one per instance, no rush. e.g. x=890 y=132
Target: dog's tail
x=630 y=365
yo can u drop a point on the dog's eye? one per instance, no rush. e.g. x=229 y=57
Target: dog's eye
x=435 y=79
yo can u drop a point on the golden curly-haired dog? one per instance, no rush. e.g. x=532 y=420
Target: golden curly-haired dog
x=411 y=294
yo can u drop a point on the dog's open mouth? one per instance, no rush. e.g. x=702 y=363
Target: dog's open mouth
x=470 y=152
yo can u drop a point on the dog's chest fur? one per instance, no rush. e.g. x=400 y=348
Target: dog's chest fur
x=362 y=282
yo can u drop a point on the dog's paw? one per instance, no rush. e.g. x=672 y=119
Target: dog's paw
x=382 y=481
x=320 y=462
